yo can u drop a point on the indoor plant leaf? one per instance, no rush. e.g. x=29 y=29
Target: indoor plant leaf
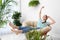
x=33 y=35
x=3 y=10
x=34 y=3
x=0 y=2
x=16 y=16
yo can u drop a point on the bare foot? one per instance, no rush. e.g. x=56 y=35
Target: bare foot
x=13 y=26
x=12 y=30
x=16 y=31
x=10 y=24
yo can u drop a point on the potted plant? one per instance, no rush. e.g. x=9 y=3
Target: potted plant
x=34 y=3
x=34 y=35
x=4 y=10
x=16 y=16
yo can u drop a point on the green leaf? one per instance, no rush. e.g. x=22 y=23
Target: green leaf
x=16 y=15
x=34 y=3
x=17 y=23
x=4 y=10
x=0 y=2
x=33 y=35
x=2 y=23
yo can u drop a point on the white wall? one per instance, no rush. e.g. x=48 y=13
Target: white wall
x=52 y=8
x=31 y=13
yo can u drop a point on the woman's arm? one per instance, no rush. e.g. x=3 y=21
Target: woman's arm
x=52 y=20
x=40 y=12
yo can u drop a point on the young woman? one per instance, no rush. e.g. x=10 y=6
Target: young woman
x=43 y=24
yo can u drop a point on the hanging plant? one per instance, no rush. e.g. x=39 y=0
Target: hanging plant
x=16 y=16
x=4 y=10
x=34 y=3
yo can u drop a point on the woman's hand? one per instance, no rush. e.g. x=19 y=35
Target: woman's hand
x=48 y=16
x=42 y=6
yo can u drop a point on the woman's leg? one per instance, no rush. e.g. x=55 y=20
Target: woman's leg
x=45 y=36
x=22 y=30
x=45 y=31
x=13 y=26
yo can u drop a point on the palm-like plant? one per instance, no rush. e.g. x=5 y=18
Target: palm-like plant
x=34 y=35
x=4 y=9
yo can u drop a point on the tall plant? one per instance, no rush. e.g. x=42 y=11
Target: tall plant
x=4 y=10
x=34 y=35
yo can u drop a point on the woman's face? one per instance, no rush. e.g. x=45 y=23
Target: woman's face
x=45 y=17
